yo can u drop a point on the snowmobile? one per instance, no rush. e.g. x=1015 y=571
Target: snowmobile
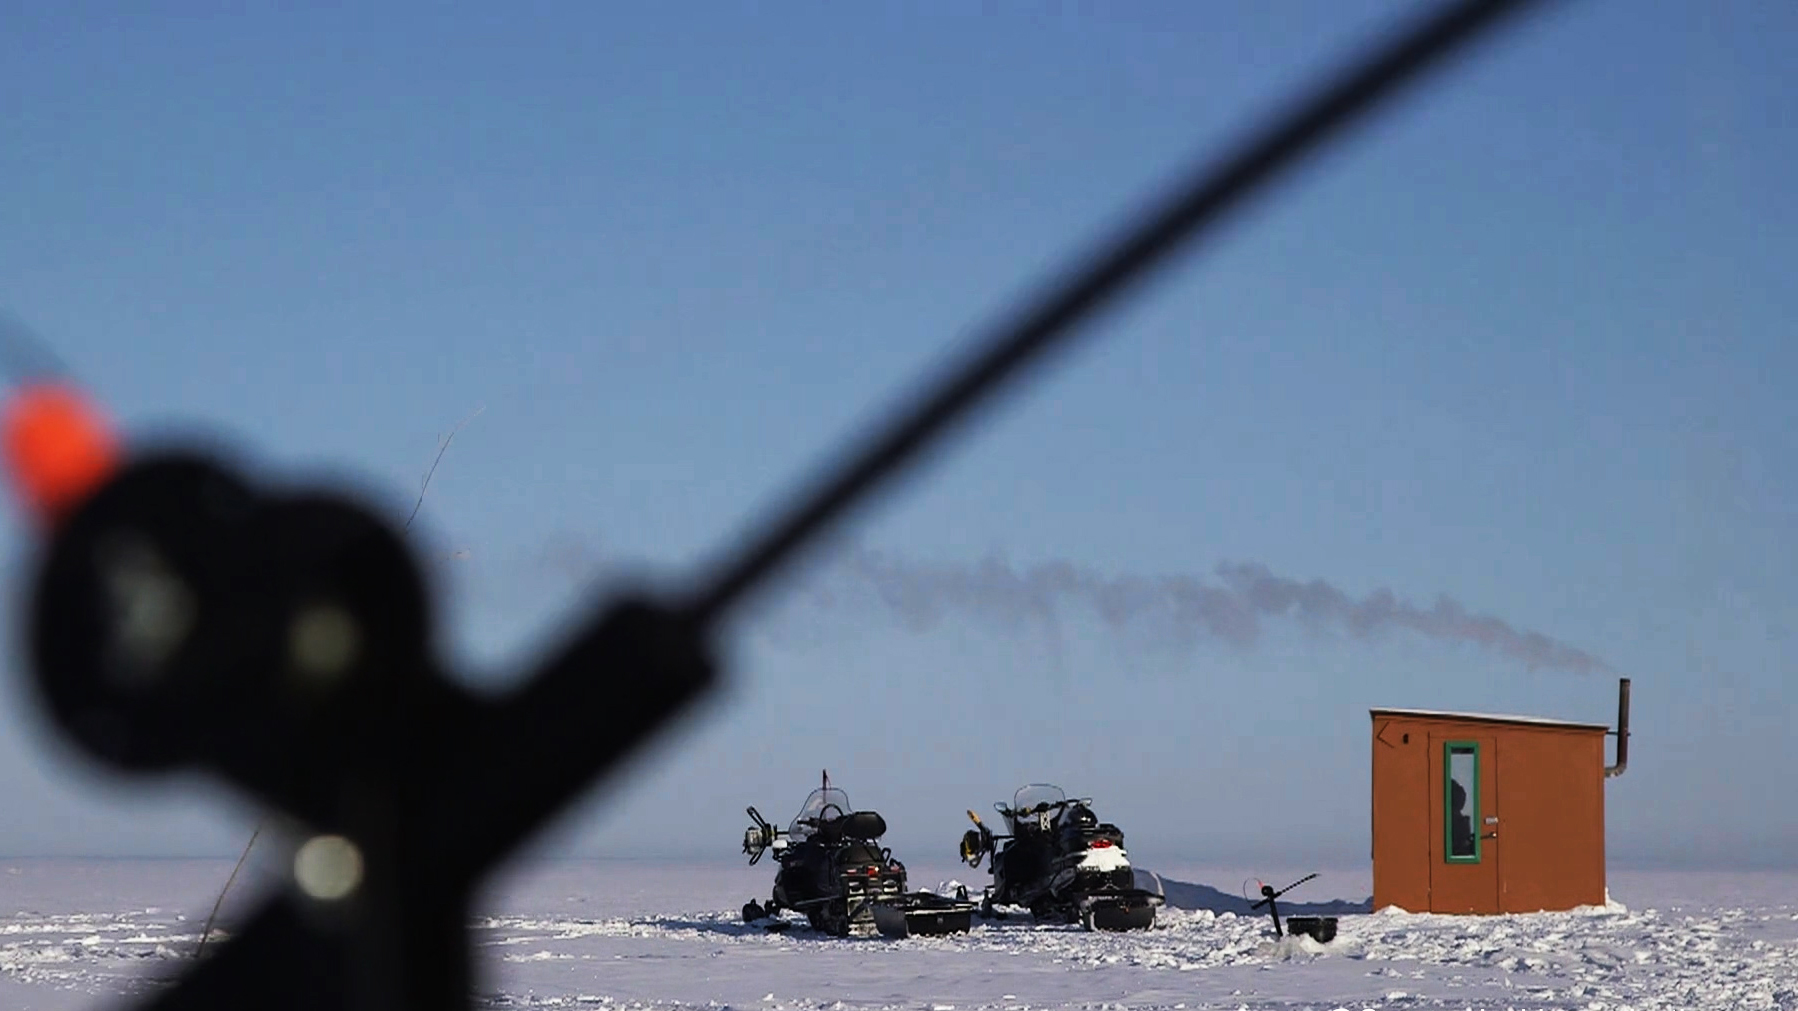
x=834 y=870
x=1060 y=862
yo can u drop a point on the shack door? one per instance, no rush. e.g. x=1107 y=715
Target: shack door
x=1464 y=850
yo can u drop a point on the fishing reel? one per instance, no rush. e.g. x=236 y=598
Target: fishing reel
x=182 y=616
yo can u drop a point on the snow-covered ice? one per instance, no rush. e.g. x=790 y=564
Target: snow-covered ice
x=625 y=935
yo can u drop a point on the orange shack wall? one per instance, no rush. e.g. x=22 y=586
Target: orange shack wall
x=1551 y=819
x=1550 y=805
x=1401 y=814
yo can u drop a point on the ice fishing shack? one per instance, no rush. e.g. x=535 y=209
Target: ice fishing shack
x=1476 y=813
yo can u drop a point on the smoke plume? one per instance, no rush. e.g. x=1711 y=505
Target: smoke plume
x=1231 y=608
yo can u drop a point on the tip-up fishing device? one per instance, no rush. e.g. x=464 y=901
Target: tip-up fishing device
x=1319 y=928
x=183 y=615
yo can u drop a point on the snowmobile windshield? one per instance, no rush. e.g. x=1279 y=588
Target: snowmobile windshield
x=1028 y=797
x=825 y=804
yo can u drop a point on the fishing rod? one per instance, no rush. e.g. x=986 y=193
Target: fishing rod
x=183 y=615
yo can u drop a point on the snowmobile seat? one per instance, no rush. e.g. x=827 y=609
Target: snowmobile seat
x=863 y=825
x=1075 y=837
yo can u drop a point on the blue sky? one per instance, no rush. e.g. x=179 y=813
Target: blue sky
x=1521 y=342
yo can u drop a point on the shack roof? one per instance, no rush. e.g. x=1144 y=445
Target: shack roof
x=1532 y=721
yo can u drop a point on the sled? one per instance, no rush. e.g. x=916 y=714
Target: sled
x=923 y=914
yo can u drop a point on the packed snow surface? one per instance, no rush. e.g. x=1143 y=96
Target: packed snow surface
x=627 y=935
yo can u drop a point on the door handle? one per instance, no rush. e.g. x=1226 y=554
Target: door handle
x=1488 y=835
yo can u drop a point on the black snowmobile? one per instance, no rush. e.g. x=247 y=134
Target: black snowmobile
x=834 y=870
x=1060 y=862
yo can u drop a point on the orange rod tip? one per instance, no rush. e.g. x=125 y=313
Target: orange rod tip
x=59 y=447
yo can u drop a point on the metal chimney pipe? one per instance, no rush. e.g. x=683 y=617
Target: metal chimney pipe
x=1622 y=731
